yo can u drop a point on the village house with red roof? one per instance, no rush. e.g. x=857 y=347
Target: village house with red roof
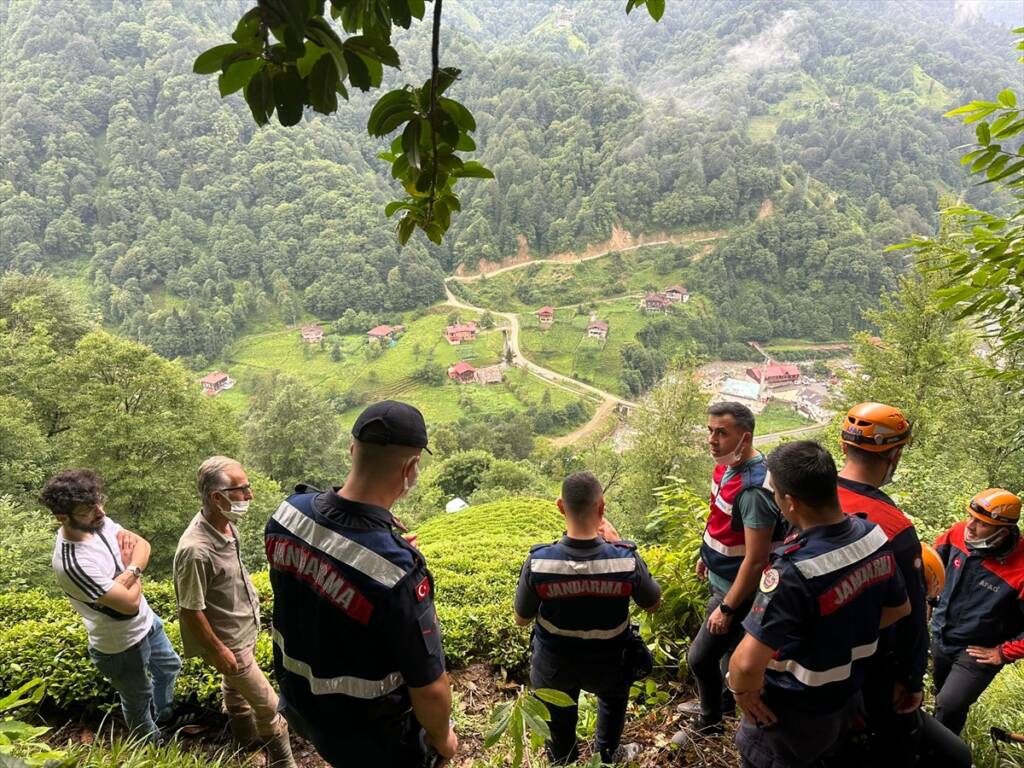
x=460 y=332
x=597 y=329
x=462 y=372
x=774 y=375
x=216 y=382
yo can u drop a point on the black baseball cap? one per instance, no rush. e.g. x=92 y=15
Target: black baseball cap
x=390 y=422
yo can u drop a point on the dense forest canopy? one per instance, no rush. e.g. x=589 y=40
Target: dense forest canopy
x=186 y=222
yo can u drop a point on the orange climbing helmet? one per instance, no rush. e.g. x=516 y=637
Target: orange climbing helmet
x=934 y=570
x=875 y=427
x=995 y=507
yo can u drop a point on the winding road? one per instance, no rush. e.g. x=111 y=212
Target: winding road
x=708 y=236
x=538 y=370
x=607 y=400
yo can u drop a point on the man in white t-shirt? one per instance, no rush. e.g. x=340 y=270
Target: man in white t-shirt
x=127 y=643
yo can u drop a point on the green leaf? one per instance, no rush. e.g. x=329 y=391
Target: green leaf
x=358 y=73
x=289 y=96
x=552 y=696
x=323 y=81
x=371 y=48
x=502 y=715
x=237 y=75
x=656 y=8
x=320 y=32
x=249 y=31
x=411 y=143
x=396 y=205
x=14 y=700
x=462 y=116
x=208 y=62
x=312 y=55
x=473 y=170
x=1007 y=98
x=982 y=132
x=259 y=95
x=391 y=110
x=405 y=229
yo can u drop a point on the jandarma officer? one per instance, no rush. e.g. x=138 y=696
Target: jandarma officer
x=578 y=590
x=816 y=618
x=357 y=647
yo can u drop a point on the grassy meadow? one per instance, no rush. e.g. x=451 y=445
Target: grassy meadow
x=562 y=284
x=390 y=372
x=565 y=347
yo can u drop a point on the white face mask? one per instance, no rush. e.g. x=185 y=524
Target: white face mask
x=237 y=512
x=988 y=542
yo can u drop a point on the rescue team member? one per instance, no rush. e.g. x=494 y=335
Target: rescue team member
x=357 y=647
x=99 y=566
x=816 y=619
x=978 y=625
x=220 y=611
x=578 y=589
x=741 y=526
x=873 y=438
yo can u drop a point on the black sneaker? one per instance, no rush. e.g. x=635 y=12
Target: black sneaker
x=185 y=718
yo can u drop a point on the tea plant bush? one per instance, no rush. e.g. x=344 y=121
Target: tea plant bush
x=475 y=556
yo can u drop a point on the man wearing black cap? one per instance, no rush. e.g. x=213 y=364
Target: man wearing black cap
x=357 y=647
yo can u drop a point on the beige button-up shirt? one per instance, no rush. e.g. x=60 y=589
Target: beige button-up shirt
x=209 y=576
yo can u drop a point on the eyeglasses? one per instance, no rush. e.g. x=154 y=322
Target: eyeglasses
x=243 y=488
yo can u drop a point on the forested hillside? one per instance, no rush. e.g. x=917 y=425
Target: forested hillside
x=186 y=224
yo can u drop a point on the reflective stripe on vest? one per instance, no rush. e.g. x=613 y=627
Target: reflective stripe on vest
x=739 y=550
x=356 y=687
x=584 y=567
x=815 y=678
x=341 y=548
x=837 y=559
x=584 y=634
x=724 y=541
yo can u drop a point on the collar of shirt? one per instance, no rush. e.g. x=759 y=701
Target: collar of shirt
x=218 y=538
x=582 y=546
x=730 y=471
x=865 y=490
x=350 y=513
x=828 y=531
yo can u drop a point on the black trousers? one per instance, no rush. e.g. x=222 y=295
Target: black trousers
x=903 y=740
x=604 y=676
x=959 y=681
x=798 y=740
x=397 y=743
x=708 y=660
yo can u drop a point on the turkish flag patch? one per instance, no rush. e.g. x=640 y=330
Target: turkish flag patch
x=423 y=589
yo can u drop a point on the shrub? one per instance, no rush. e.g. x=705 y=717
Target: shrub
x=678 y=521
x=43 y=636
x=1002 y=705
x=475 y=556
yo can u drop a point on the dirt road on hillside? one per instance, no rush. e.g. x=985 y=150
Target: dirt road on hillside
x=519 y=359
x=576 y=258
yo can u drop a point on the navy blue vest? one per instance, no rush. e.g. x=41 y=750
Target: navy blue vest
x=584 y=595
x=845 y=571
x=332 y=586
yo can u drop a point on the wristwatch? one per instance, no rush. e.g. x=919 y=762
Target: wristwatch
x=135 y=571
x=725 y=609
